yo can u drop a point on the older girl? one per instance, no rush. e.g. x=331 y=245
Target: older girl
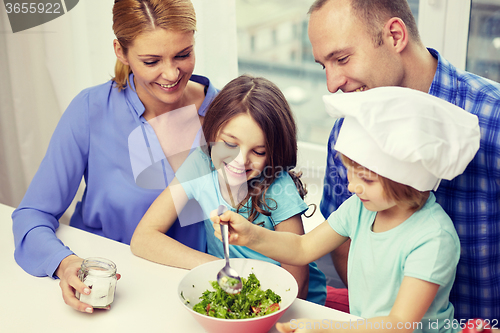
x=247 y=166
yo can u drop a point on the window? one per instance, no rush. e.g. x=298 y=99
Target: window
x=483 y=49
x=466 y=32
x=282 y=53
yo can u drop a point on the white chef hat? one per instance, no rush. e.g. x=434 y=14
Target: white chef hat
x=405 y=135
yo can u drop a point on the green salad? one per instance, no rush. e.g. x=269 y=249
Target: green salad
x=251 y=302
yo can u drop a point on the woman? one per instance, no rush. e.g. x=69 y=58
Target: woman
x=96 y=139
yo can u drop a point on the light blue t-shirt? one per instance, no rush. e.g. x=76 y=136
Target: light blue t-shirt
x=200 y=182
x=425 y=246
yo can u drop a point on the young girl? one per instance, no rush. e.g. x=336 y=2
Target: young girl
x=246 y=166
x=396 y=144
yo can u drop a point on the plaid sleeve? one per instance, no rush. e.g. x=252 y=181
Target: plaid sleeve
x=335 y=182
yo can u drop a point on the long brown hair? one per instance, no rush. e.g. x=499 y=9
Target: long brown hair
x=265 y=103
x=375 y=13
x=134 y=17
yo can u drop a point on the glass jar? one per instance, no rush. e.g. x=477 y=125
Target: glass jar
x=99 y=274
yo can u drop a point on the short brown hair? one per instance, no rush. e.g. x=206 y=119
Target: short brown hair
x=131 y=18
x=398 y=192
x=375 y=13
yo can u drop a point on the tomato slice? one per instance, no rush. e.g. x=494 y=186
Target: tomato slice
x=274 y=307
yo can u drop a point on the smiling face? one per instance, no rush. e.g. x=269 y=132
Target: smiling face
x=239 y=153
x=368 y=187
x=343 y=46
x=162 y=62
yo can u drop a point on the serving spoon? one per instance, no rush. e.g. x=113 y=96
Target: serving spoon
x=227 y=278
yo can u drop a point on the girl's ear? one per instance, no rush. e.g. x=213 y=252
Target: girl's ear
x=396 y=34
x=120 y=54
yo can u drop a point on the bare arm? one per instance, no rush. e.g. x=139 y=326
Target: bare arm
x=284 y=247
x=300 y=273
x=149 y=240
x=339 y=259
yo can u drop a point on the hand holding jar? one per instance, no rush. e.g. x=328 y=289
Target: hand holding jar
x=99 y=275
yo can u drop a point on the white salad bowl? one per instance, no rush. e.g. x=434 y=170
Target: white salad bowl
x=271 y=276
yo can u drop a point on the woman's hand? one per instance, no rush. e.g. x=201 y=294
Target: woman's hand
x=67 y=272
x=241 y=231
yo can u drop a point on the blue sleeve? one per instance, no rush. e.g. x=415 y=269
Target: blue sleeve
x=288 y=201
x=335 y=183
x=345 y=219
x=435 y=254
x=37 y=249
x=434 y=258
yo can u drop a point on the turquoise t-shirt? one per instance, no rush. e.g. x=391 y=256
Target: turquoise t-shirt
x=425 y=246
x=200 y=182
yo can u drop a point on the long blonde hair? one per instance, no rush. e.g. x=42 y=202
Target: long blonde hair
x=134 y=17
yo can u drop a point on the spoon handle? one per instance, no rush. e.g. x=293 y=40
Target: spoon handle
x=224 y=231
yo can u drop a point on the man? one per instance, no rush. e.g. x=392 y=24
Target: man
x=364 y=44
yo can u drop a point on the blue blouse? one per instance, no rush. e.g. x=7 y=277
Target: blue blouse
x=92 y=139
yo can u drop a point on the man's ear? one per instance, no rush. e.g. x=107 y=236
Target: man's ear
x=120 y=54
x=396 y=34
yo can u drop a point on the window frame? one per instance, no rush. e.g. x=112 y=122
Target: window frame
x=448 y=31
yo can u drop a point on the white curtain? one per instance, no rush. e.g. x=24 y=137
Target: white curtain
x=43 y=68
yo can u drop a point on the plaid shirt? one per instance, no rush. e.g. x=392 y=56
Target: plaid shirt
x=472 y=199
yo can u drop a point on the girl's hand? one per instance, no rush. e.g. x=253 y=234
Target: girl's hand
x=240 y=229
x=302 y=326
x=69 y=283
